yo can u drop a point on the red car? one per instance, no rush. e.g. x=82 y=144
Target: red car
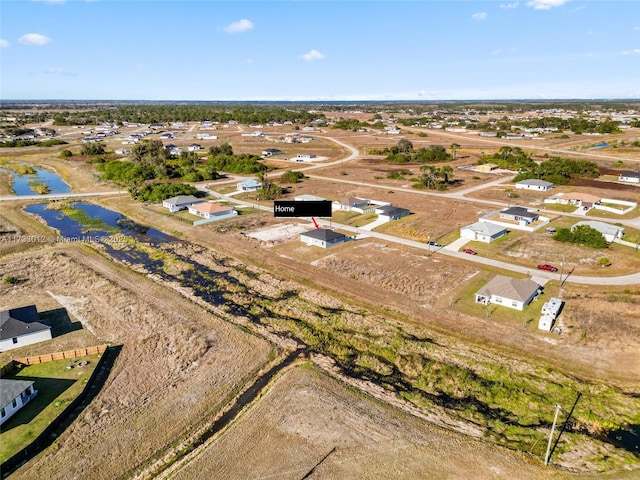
x=549 y=268
x=469 y=251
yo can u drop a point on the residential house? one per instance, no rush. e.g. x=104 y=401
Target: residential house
x=209 y=210
x=20 y=327
x=574 y=198
x=305 y=157
x=509 y=292
x=630 y=177
x=360 y=205
x=486 y=167
x=181 y=202
x=14 y=394
x=323 y=237
x=194 y=146
x=519 y=214
x=535 y=184
x=485 y=232
x=307 y=198
x=389 y=212
x=250 y=185
x=610 y=232
x=206 y=136
x=268 y=152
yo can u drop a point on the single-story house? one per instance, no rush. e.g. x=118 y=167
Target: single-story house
x=509 y=292
x=610 y=232
x=485 y=232
x=175 y=204
x=535 y=184
x=267 y=152
x=631 y=177
x=519 y=214
x=389 y=212
x=20 y=327
x=304 y=157
x=250 y=185
x=574 y=198
x=194 y=146
x=323 y=237
x=356 y=204
x=14 y=394
x=486 y=167
x=206 y=136
x=209 y=210
x=308 y=198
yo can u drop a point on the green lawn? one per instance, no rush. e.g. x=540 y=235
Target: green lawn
x=57 y=387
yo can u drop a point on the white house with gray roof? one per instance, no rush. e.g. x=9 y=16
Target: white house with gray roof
x=14 y=394
x=509 y=292
x=611 y=233
x=535 y=184
x=20 y=327
x=323 y=237
x=485 y=232
x=181 y=202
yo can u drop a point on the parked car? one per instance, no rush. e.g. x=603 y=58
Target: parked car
x=434 y=244
x=547 y=267
x=469 y=251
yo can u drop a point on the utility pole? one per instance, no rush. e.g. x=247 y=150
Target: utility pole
x=553 y=427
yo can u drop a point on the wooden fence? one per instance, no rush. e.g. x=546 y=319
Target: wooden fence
x=50 y=357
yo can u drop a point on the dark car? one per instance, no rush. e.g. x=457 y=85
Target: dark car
x=547 y=267
x=434 y=244
x=469 y=251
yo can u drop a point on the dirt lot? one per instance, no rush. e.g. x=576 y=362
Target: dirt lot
x=307 y=416
x=178 y=363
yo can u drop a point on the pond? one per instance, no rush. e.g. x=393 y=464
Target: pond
x=26 y=184
x=600 y=145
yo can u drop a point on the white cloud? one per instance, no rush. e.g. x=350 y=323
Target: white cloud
x=635 y=51
x=34 y=39
x=4 y=43
x=58 y=71
x=546 y=4
x=479 y=16
x=312 y=55
x=510 y=5
x=239 y=26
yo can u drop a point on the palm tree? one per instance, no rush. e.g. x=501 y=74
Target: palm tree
x=454 y=148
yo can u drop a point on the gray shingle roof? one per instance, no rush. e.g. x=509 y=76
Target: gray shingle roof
x=20 y=321
x=10 y=389
x=519 y=289
x=324 y=234
x=181 y=200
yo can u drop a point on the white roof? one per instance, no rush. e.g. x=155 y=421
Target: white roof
x=536 y=182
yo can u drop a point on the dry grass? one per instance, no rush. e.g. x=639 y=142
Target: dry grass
x=178 y=363
x=306 y=415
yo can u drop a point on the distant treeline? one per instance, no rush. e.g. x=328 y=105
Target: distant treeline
x=150 y=114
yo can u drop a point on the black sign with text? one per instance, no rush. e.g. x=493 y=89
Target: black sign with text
x=311 y=208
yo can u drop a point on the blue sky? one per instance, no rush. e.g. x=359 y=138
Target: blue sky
x=319 y=50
